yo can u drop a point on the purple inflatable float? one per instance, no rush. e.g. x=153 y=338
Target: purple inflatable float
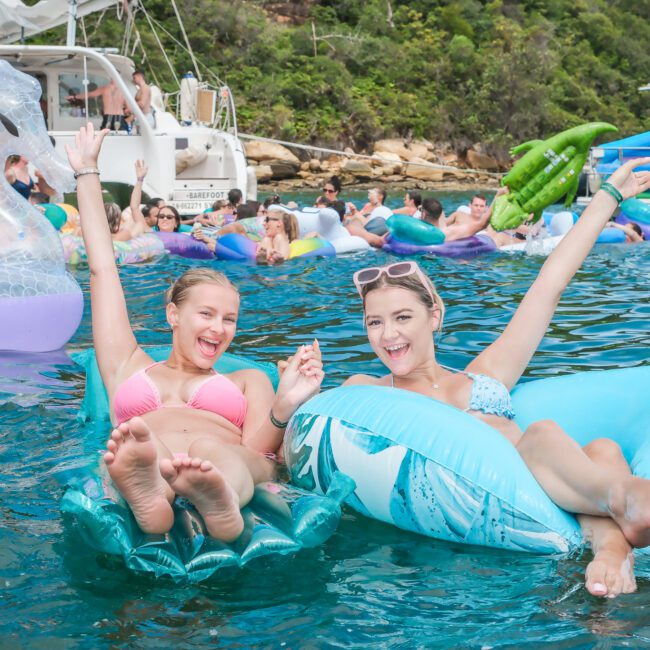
x=40 y=303
x=466 y=247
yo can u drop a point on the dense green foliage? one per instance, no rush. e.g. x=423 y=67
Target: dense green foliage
x=458 y=71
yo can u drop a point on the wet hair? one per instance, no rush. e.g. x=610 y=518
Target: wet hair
x=174 y=211
x=411 y=283
x=234 y=196
x=431 y=210
x=13 y=159
x=416 y=197
x=382 y=193
x=246 y=211
x=637 y=229
x=113 y=215
x=272 y=200
x=339 y=206
x=336 y=182
x=254 y=205
x=179 y=291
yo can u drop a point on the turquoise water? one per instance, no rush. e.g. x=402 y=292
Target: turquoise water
x=371 y=584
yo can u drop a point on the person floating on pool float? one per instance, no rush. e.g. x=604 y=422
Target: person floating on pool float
x=402 y=310
x=182 y=429
x=633 y=232
x=478 y=208
x=281 y=228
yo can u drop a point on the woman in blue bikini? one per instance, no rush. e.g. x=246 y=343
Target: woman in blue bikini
x=402 y=310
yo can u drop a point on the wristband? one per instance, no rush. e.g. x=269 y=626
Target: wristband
x=608 y=188
x=140 y=179
x=276 y=423
x=86 y=170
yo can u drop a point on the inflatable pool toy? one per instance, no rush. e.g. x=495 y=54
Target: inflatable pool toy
x=636 y=210
x=548 y=171
x=466 y=247
x=620 y=151
x=55 y=214
x=326 y=222
x=414 y=231
x=280 y=519
x=645 y=227
x=40 y=303
x=143 y=248
x=177 y=243
x=433 y=469
x=236 y=247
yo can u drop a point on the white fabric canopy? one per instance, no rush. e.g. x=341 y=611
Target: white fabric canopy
x=18 y=20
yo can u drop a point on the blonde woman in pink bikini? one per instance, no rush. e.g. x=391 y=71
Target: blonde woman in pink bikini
x=182 y=429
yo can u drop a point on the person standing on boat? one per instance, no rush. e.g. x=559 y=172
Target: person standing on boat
x=112 y=104
x=143 y=97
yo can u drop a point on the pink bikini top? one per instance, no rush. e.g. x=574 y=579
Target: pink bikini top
x=138 y=395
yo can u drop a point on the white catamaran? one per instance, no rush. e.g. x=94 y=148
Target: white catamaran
x=194 y=155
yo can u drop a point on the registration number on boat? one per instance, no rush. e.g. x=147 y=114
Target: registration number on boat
x=191 y=207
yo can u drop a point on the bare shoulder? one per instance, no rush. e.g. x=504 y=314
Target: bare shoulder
x=250 y=378
x=364 y=380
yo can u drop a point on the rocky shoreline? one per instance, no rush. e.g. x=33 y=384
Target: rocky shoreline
x=394 y=162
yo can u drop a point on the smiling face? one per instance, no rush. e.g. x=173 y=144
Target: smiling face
x=273 y=224
x=204 y=324
x=167 y=221
x=477 y=207
x=400 y=329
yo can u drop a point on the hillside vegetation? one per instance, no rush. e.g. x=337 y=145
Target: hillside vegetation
x=458 y=72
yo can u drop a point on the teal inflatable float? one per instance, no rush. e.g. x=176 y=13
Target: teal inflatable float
x=280 y=519
x=548 y=171
x=430 y=468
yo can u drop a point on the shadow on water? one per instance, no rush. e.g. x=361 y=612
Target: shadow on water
x=370 y=584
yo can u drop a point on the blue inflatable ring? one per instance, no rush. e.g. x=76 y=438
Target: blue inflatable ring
x=430 y=468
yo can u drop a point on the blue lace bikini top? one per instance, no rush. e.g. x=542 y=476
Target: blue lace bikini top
x=489 y=395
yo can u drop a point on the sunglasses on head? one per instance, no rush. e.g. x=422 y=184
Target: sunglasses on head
x=267 y=219
x=396 y=270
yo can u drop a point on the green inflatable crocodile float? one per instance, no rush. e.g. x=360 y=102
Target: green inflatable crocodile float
x=549 y=170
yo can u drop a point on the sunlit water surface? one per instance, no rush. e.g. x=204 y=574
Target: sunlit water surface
x=370 y=585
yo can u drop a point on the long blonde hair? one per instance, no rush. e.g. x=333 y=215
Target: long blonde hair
x=289 y=222
x=178 y=292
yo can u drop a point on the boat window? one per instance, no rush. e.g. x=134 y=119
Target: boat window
x=71 y=84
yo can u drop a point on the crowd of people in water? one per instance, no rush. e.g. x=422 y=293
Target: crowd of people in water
x=281 y=225
x=180 y=428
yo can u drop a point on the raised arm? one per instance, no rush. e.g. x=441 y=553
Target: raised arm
x=507 y=358
x=113 y=337
x=140 y=225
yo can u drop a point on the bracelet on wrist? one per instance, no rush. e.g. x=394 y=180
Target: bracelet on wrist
x=277 y=423
x=86 y=170
x=140 y=179
x=608 y=188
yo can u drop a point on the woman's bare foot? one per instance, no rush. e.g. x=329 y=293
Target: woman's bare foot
x=629 y=504
x=132 y=461
x=610 y=573
x=203 y=485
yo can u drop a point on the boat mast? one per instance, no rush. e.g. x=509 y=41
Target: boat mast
x=71 y=35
